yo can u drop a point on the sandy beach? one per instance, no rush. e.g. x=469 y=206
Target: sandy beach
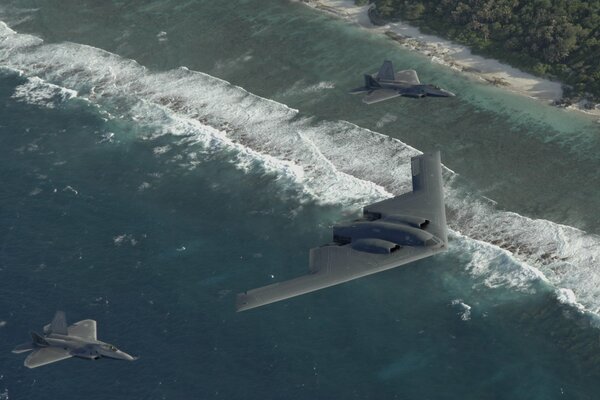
x=453 y=55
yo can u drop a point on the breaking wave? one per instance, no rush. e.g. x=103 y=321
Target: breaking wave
x=37 y=91
x=332 y=162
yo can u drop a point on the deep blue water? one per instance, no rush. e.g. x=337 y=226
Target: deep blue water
x=128 y=204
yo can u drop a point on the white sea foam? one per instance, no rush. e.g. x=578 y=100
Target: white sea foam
x=5 y=29
x=465 y=309
x=125 y=238
x=331 y=162
x=301 y=87
x=386 y=119
x=567 y=296
x=568 y=257
x=495 y=267
x=70 y=189
x=162 y=36
x=39 y=92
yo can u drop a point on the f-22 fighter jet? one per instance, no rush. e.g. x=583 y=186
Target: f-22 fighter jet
x=387 y=84
x=60 y=342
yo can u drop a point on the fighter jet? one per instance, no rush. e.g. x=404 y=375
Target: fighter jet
x=387 y=84
x=60 y=342
x=390 y=233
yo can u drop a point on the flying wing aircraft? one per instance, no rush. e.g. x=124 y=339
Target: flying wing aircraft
x=391 y=233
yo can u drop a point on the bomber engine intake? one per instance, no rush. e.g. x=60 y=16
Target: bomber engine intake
x=398 y=233
x=375 y=246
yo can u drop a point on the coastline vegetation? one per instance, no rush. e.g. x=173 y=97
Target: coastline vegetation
x=558 y=39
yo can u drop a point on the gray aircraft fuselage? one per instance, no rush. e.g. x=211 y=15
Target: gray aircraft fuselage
x=86 y=348
x=417 y=91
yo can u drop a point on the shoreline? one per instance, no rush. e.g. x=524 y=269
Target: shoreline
x=456 y=56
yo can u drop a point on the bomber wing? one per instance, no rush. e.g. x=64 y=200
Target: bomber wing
x=334 y=264
x=330 y=265
x=426 y=199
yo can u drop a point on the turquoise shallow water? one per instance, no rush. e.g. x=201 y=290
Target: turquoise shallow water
x=151 y=197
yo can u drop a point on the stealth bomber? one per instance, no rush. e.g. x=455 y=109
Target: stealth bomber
x=60 y=342
x=390 y=233
x=387 y=84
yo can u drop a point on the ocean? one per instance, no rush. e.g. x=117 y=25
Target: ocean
x=158 y=157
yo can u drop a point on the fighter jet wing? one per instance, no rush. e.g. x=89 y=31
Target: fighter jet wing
x=380 y=95
x=85 y=329
x=408 y=76
x=45 y=356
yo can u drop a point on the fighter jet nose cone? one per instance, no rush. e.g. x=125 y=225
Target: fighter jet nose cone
x=446 y=93
x=124 y=356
